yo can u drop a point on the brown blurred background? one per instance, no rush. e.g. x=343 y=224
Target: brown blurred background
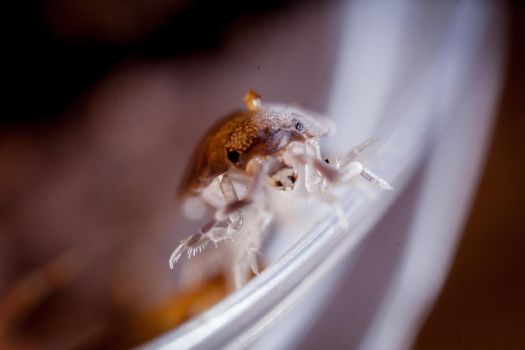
x=78 y=83
x=104 y=101
x=482 y=305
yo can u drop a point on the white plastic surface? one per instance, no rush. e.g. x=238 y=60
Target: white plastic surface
x=409 y=73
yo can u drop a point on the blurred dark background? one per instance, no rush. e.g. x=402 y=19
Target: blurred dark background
x=60 y=54
x=104 y=100
x=57 y=50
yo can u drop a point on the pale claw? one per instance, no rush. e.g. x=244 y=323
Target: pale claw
x=253 y=261
x=175 y=256
x=375 y=179
x=197 y=242
x=192 y=245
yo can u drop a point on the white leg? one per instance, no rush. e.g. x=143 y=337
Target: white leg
x=318 y=173
x=375 y=179
x=196 y=243
x=356 y=151
x=245 y=253
x=350 y=166
x=228 y=223
x=259 y=170
x=212 y=231
x=347 y=167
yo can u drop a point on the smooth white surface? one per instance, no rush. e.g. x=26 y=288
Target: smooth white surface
x=466 y=92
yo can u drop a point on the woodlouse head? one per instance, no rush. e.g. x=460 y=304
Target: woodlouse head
x=259 y=131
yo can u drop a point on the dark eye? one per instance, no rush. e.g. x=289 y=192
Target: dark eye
x=299 y=126
x=233 y=156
